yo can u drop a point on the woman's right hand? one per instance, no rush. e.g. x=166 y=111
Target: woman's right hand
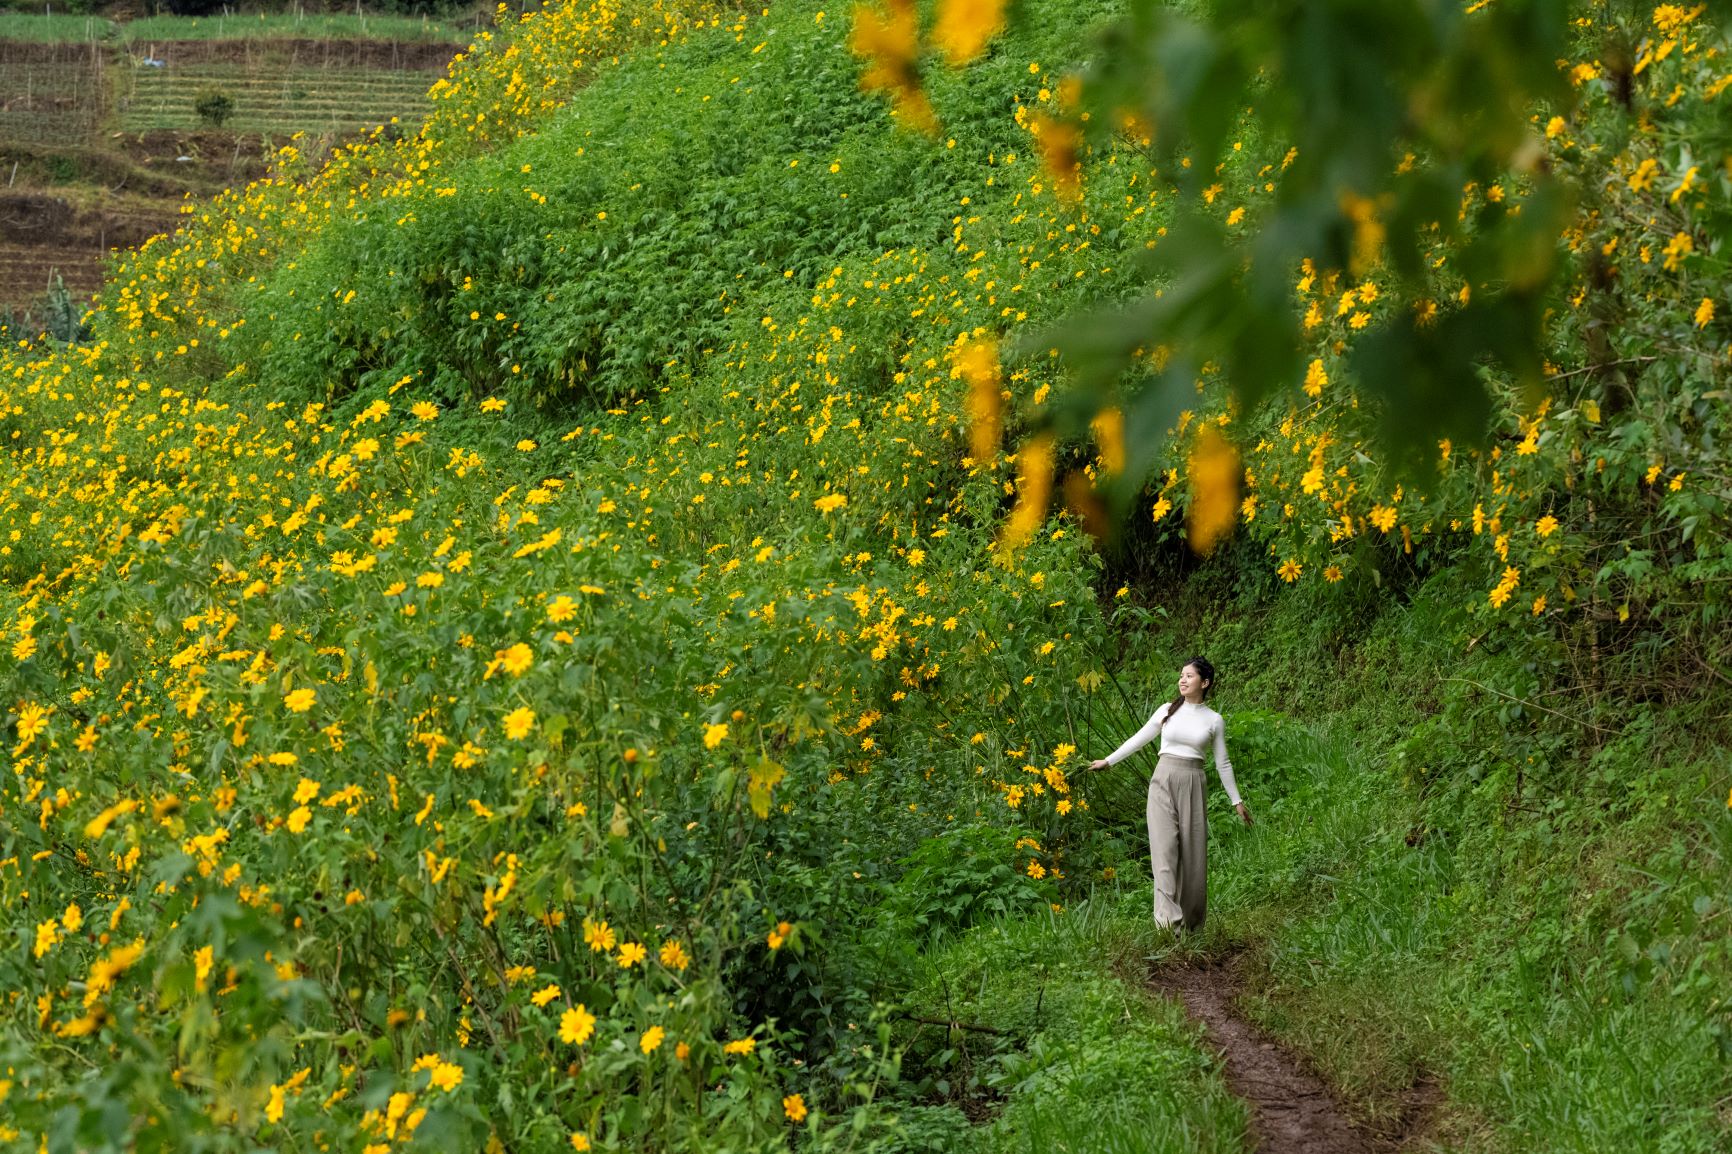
x=1101 y=764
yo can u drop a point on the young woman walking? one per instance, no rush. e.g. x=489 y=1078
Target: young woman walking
x=1178 y=825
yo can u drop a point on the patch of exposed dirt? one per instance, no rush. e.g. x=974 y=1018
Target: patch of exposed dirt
x=1293 y=1111
x=42 y=234
x=204 y=156
x=42 y=220
x=163 y=163
x=21 y=52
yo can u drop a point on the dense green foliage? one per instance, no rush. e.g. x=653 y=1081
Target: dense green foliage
x=1452 y=885
x=511 y=646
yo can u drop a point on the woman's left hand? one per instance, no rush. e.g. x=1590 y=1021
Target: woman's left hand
x=1244 y=814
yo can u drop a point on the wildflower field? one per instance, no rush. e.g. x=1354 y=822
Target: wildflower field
x=578 y=626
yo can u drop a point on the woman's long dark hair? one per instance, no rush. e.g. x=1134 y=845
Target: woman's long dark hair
x=1206 y=671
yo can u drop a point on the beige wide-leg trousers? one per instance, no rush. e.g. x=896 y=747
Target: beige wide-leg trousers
x=1178 y=841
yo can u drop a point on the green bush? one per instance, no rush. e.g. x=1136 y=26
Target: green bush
x=961 y=877
x=214 y=106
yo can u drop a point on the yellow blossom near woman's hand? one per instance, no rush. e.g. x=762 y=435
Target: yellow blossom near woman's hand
x=794 y=1106
x=299 y=700
x=652 y=1038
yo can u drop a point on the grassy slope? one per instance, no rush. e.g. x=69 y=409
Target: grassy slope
x=1089 y=1059
x=1557 y=958
x=634 y=476
x=1549 y=955
x=1556 y=961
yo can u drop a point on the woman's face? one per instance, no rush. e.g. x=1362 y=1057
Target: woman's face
x=1191 y=683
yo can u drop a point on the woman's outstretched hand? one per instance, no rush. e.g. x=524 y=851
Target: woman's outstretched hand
x=1244 y=814
x=1101 y=764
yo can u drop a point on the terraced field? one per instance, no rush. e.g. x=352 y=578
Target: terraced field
x=283 y=98
x=44 y=236
x=99 y=142
x=51 y=93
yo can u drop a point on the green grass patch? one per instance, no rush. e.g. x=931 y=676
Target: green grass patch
x=54 y=27
x=1551 y=948
x=1086 y=1058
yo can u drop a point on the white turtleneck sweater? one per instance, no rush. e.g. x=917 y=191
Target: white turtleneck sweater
x=1193 y=727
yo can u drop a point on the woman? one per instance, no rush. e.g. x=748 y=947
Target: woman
x=1178 y=826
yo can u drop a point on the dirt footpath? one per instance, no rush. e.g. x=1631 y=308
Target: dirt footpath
x=1292 y=1110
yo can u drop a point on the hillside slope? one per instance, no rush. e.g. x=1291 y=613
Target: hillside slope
x=410 y=721
x=513 y=645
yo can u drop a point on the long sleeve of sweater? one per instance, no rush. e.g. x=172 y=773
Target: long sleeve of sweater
x=1140 y=738
x=1223 y=766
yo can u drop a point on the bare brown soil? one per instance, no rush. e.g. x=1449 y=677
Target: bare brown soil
x=1293 y=1111
x=19 y=52
x=203 y=156
x=47 y=221
x=162 y=163
x=42 y=234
